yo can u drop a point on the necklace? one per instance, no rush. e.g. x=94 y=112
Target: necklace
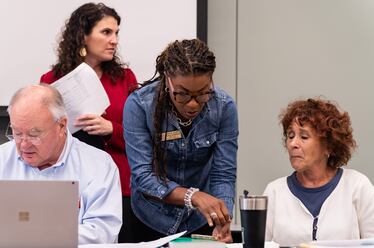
x=179 y=120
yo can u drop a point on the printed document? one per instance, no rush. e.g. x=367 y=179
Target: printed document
x=83 y=93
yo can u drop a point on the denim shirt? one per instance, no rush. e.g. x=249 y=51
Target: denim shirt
x=205 y=159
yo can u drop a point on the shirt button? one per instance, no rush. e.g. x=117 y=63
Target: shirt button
x=182 y=144
x=162 y=192
x=208 y=142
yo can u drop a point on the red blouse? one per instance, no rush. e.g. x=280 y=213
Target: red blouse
x=113 y=144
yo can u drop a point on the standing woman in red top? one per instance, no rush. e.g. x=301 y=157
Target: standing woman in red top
x=91 y=36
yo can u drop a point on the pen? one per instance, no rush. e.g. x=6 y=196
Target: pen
x=204 y=237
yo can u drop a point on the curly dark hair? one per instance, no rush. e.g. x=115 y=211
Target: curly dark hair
x=332 y=126
x=81 y=23
x=185 y=57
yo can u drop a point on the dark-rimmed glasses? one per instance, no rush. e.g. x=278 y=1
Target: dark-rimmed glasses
x=184 y=98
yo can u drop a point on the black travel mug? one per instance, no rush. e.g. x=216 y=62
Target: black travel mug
x=253 y=220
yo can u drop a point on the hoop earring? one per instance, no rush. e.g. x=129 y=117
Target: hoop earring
x=167 y=89
x=83 y=52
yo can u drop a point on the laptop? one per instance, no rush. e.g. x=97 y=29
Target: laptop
x=38 y=214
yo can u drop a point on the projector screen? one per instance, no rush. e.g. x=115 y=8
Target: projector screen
x=30 y=32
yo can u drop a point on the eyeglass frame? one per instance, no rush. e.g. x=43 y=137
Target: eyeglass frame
x=35 y=140
x=211 y=92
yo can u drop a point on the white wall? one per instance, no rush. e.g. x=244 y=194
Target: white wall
x=222 y=40
x=291 y=49
x=30 y=30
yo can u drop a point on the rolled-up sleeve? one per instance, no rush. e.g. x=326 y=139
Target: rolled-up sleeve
x=223 y=172
x=139 y=149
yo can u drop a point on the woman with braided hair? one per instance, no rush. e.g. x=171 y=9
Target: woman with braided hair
x=181 y=141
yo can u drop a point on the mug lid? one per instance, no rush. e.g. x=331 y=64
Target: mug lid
x=255 y=202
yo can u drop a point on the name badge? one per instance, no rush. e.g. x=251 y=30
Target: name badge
x=172 y=135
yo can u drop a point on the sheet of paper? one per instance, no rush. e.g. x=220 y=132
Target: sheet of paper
x=234 y=245
x=268 y=244
x=351 y=243
x=83 y=93
x=151 y=244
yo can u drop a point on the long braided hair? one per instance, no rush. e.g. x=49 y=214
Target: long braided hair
x=184 y=58
x=81 y=23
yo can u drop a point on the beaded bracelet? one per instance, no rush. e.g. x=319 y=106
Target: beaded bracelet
x=188 y=197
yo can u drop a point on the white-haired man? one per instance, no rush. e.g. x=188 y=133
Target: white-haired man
x=41 y=147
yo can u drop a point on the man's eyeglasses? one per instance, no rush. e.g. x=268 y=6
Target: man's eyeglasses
x=184 y=98
x=35 y=139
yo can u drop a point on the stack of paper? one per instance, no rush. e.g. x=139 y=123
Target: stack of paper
x=82 y=93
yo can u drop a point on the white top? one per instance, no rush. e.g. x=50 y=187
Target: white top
x=100 y=198
x=348 y=213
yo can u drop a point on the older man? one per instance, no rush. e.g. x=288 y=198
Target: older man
x=42 y=148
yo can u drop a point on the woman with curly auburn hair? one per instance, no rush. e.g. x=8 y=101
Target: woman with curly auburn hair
x=91 y=36
x=319 y=200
